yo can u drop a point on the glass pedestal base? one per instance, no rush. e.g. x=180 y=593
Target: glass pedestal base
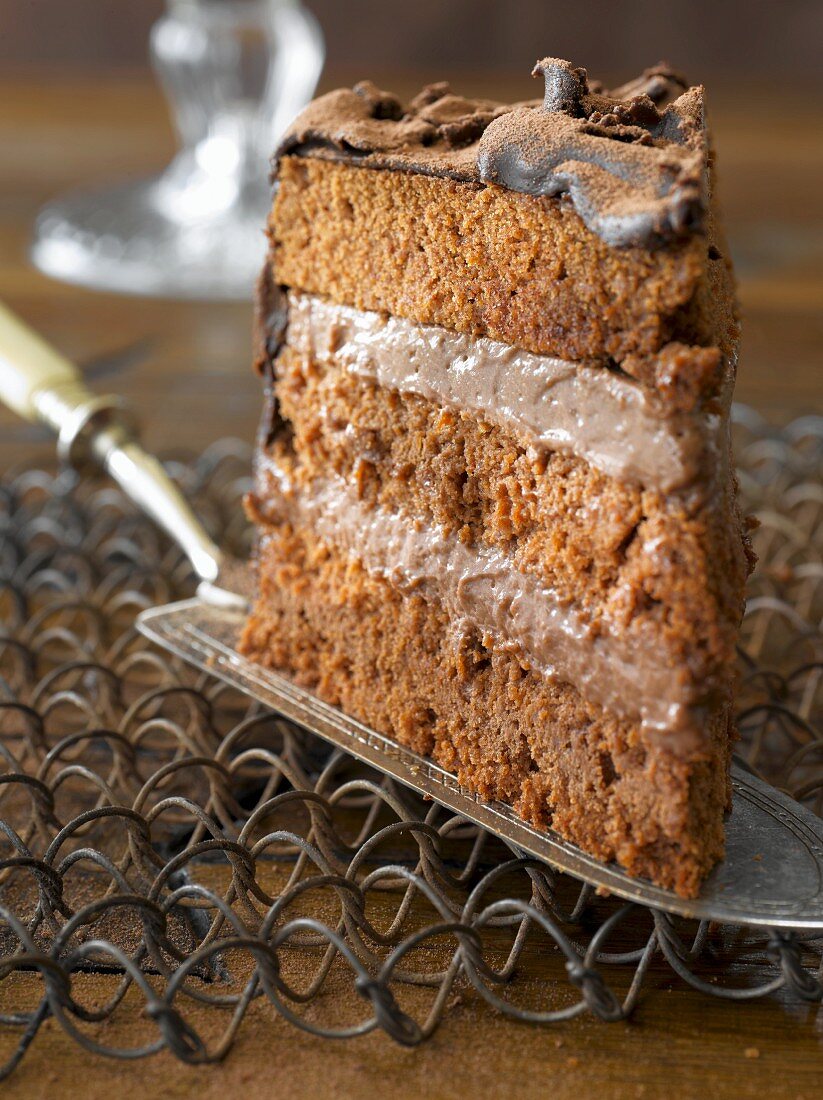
x=235 y=74
x=120 y=239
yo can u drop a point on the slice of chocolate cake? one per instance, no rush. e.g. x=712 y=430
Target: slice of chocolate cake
x=496 y=512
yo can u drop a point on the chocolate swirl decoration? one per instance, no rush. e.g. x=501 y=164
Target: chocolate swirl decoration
x=635 y=173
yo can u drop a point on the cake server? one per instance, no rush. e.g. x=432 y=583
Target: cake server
x=773 y=871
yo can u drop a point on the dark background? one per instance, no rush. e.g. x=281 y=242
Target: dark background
x=761 y=41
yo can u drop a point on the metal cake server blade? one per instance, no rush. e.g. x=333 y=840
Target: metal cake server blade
x=773 y=871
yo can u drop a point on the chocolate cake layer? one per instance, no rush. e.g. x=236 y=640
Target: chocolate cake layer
x=482 y=588
x=484 y=260
x=650 y=566
x=391 y=658
x=606 y=418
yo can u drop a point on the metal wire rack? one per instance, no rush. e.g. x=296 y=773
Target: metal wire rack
x=162 y=830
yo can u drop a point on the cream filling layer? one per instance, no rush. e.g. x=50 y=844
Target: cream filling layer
x=481 y=587
x=604 y=418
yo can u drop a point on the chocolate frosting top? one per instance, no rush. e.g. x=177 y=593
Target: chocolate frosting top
x=632 y=161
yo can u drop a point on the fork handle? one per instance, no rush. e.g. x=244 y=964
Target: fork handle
x=42 y=386
x=28 y=366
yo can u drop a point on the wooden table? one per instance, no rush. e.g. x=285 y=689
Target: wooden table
x=191 y=384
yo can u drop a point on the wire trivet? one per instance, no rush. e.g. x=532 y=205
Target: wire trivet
x=162 y=832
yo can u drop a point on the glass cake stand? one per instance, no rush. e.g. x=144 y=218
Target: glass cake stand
x=235 y=73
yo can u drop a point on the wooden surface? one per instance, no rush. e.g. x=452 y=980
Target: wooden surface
x=190 y=382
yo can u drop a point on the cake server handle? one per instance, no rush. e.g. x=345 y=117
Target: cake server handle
x=42 y=386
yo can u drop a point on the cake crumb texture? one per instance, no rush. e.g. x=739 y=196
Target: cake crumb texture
x=667 y=571
x=394 y=660
x=480 y=259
